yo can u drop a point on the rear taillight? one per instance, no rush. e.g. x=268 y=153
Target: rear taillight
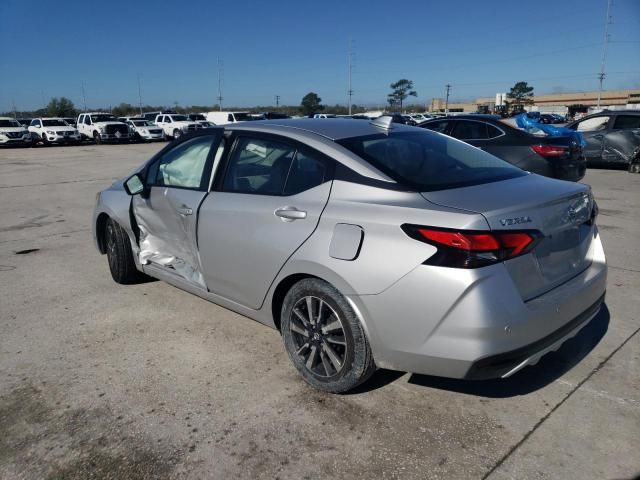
x=472 y=249
x=550 y=150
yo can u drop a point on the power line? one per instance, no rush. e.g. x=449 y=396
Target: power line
x=601 y=76
x=139 y=95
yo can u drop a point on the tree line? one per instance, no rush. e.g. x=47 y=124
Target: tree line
x=520 y=95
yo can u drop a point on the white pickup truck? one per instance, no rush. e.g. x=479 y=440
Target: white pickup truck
x=102 y=127
x=175 y=125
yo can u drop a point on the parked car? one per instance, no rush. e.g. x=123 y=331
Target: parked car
x=176 y=125
x=323 y=115
x=53 y=130
x=556 y=157
x=70 y=121
x=143 y=130
x=551 y=118
x=151 y=116
x=12 y=133
x=367 y=244
x=224 y=118
x=102 y=127
x=612 y=137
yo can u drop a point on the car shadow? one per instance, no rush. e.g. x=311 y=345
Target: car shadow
x=550 y=367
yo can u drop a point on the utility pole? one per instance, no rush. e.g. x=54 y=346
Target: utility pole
x=220 y=78
x=350 y=58
x=139 y=95
x=446 y=102
x=601 y=75
x=13 y=107
x=277 y=101
x=84 y=99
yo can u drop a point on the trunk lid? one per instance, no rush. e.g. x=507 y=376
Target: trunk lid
x=560 y=211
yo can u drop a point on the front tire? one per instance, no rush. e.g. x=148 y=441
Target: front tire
x=177 y=134
x=324 y=338
x=96 y=138
x=119 y=255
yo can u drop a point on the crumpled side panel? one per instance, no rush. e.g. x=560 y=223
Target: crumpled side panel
x=172 y=249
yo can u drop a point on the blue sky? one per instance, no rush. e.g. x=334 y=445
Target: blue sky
x=289 y=48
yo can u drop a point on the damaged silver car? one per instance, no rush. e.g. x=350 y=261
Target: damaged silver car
x=366 y=244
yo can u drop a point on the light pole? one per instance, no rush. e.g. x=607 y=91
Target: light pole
x=446 y=102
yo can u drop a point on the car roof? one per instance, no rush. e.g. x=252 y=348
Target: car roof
x=333 y=129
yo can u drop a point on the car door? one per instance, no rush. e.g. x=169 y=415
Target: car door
x=176 y=182
x=265 y=205
x=593 y=131
x=623 y=140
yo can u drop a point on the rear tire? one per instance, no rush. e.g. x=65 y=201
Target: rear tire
x=120 y=256
x=634 y=168
x=324 y=338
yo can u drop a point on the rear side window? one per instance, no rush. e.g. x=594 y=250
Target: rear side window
x=258 y=166
x=306 y=172
x=427 y=162
x=593 y=124
x=626 y=121
x=465 y=130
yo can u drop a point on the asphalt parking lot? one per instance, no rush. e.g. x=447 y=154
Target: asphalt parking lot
x=99 y=380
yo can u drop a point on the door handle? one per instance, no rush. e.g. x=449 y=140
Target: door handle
x=185 y=211
x=598 y=136
x=290 y=213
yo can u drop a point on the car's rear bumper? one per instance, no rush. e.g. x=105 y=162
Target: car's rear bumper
x=453 y=322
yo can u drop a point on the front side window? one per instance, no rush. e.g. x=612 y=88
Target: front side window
x=427 y=162
x=183 y=166
x=593 y=124
x=623 y=122
x=87 y=120
x=258 y=166
x=34 y=123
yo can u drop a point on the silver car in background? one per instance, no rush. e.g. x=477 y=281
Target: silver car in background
x=366 y=244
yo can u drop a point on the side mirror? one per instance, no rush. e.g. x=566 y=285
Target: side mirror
x=134 y=185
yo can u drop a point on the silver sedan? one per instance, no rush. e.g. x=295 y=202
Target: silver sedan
x=366 y=244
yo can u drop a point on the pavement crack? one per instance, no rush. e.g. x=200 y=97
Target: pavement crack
x=558 y=405
x=59 y=183
x=622 y=268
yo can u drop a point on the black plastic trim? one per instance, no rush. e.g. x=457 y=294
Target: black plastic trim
x=496 y=366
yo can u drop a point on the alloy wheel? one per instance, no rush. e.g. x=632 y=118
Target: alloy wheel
x=319 y=337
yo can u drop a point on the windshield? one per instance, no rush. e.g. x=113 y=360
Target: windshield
x=54 y=123
x=103 y=117
x=241 y=117
x=142 y=123
x=9 y=123
x=179 y=118
x=427 y=161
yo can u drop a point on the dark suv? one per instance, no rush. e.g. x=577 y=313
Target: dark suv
x=613 y=138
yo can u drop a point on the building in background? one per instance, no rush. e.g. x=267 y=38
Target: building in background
x=553 y=103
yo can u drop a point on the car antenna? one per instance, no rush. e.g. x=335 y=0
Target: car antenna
x=383 y=121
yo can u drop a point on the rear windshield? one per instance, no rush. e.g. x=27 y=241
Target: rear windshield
x=427 y=161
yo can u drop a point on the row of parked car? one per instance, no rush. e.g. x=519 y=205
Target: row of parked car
x=611 y=138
